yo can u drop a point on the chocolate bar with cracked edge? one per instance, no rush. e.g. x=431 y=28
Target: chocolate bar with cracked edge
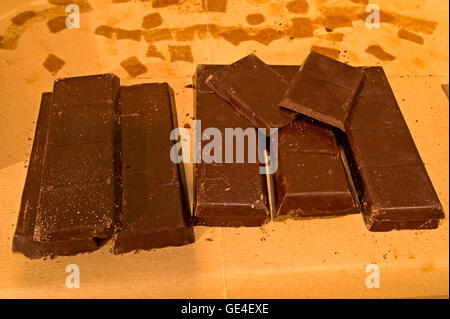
x=311 y=180
x=155 y=211
x=254 y=90
x=242 y=200
x=23 y=237
x=324 y=89
x=225 y=194
x=394 y=187
x=77 y=199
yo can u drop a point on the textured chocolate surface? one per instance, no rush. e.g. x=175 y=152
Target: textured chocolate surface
x=226 y=194
x=311 y=179
x=254 y=90
x=77 y=193
x=154 y=204
x=324 y=89
x=394 y=186
x=23 y=238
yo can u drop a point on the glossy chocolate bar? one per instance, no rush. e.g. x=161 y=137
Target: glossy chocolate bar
x=78 y=187
x=23 y=237
x=155 y=212
x=324 y=89
x=311 y=180
x=394 y=186
x=254 y=89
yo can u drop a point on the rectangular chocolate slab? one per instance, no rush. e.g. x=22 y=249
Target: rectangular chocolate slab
x=254 y=90
x=23 y=237
x=77 y=199
x=154 y=204
x=311 y=180
x=225 y=194
x=324 y=89
x=394 y=186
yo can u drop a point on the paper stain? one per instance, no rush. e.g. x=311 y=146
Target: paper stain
x=10 y=37
x=82 y=4
x=152 y=51
x=413 y=24
x=180 y=53
x=57 y=24
x=298 y=6
x=360 y=1
x=121 y=34
x=155 y=35
x=329 y=52
x=152 y=20
x=105 y=31
x=301 y=28
x=214 y=5
x=378 y=52
x=134 y=35
x=23 y=17
x=428 y=266
x=406 y=35
x=163 y=3
x=335 y=37
x=120 y=1
x=255 y=18
x=335 y=17
x=185 y=34
x=258 y=1
x=53 y=64
x=133 y=66
x=419 y=63
x=335 y=21
x=264 y=36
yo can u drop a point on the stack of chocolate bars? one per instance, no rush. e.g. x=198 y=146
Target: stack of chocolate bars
x=100 y=166
x=343 y=146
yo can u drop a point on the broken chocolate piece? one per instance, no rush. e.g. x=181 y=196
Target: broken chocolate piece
x=394 y=186
x=155 y=212
x=311 y=179
x=255 y=90
x=77 y=193
x=324 y=89
x=23 y=238
x=225 y=194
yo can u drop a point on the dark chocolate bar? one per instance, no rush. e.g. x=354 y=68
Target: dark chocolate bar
x=23 y=238
x=78 y=187
x=254 y=90
x=311 y=179
x=324 y=89
x=225 y=194
x=394 y=186
x=155 y=212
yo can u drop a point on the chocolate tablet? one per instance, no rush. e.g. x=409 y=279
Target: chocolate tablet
x=78 y=186
x=255 y=90
x=155 y=212
x=394 y=186
x=311 y=180
x=324 y=89
x=23 y=238
x=225 y=194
